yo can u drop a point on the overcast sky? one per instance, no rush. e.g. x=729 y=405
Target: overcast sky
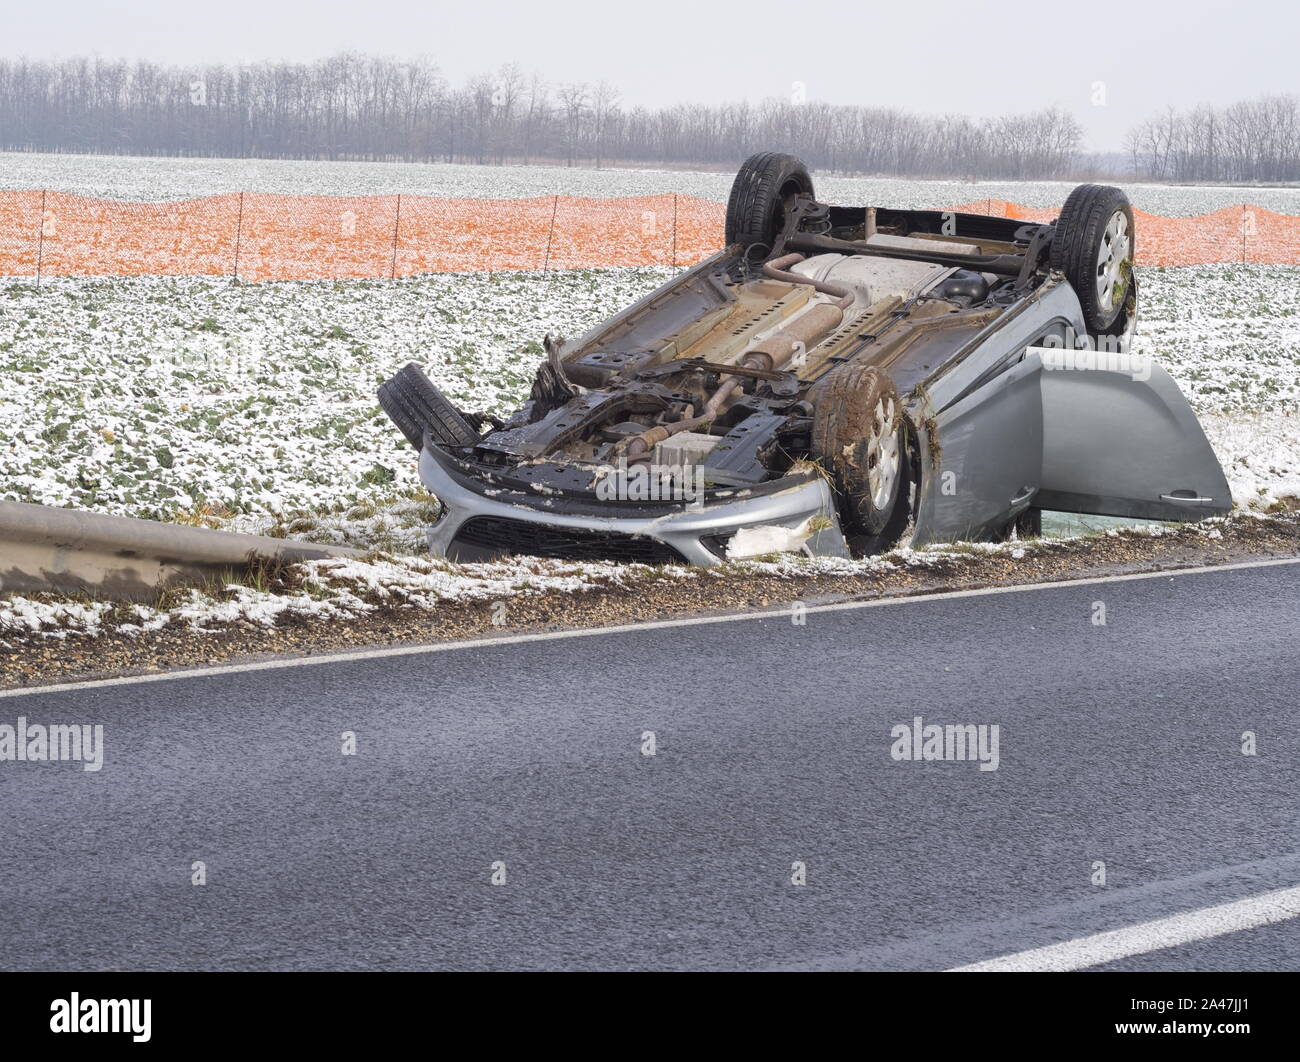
x=933 y=55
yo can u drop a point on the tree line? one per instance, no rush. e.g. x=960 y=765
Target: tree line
x=358 y=107
x=1250 y=141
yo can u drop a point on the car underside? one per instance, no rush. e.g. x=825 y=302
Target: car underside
x=832 y=380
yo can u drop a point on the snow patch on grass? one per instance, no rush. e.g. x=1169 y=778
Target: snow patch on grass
x=1229 y=334
x=55 y=619
x=328 y=589
x=1260 y=455
x=203 y=401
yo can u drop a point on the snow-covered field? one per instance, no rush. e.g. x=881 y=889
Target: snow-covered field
x=252 y=406
x=188 y=397
x=129 y=177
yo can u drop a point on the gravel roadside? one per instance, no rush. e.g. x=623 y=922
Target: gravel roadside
x=34 y=659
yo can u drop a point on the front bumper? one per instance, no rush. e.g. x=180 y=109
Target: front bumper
x=677 y=535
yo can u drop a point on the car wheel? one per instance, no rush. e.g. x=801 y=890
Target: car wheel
x=756 y=207
x=416 y=406
x=860 y=436
x=1093 y=247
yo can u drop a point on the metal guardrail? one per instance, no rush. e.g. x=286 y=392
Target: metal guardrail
x=45 y=549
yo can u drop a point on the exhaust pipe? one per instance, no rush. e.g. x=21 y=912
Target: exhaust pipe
x=773 y=353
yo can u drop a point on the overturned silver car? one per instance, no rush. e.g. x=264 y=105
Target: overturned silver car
x=833 y=379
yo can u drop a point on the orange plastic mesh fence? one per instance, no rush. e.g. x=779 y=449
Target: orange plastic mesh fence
x=20 y=232
x=1242 y=233
x=316 y=237
x=259 y=237
x=81 y=236
x=468 y=235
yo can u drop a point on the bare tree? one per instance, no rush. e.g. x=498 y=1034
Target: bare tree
x=575 y=107
x=604 y=113
x=1252 y=140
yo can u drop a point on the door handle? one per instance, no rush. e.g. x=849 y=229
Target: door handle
x=1025 y=494
x=1190 y=498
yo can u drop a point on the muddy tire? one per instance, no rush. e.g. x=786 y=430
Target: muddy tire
x=416 y=406
x=860 y=436
x=1093 y=247
x=756 y=207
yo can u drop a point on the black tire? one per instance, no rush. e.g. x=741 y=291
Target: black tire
x=756 y=207
x=1083 y=238
x=416 y=406
x=873 y=515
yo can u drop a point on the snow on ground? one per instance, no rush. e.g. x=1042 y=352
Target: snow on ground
x=252 y=406
x=1229 y=334
x=331 y=589
x=130 y=177
x=1260 y=455
x=188 y=397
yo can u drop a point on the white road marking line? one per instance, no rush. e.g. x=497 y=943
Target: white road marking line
x=1277 y=906
x=590 y=632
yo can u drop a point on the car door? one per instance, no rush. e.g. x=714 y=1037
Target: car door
x=984 y=458
x=1119 y=439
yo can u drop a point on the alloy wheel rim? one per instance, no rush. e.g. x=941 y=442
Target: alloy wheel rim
x=883 y=456
x=1113 y=258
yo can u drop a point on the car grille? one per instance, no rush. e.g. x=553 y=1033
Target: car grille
x=486 y=537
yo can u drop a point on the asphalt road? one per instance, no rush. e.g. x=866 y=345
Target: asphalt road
x=1119 y=744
